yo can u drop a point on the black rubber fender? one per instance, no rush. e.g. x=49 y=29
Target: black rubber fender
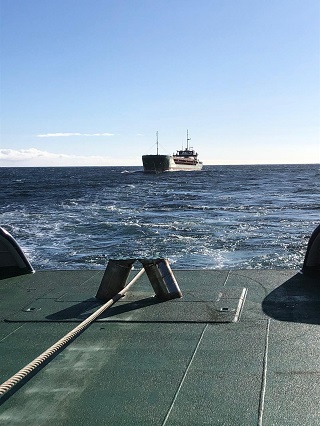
x=13 y=261
x=311 y=264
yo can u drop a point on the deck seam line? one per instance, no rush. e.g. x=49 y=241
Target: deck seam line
x=12 y=332
x=88 y=279
x=264 y=376
x=184 y=376
x=225 y=282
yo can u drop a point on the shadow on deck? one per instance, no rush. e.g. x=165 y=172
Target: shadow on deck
x=296 y=300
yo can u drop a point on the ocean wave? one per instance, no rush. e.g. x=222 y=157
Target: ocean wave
x=228 y=217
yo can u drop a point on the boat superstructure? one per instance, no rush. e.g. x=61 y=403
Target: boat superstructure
x=183 y=160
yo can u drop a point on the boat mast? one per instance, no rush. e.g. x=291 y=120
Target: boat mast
x=157 y=144
x=188 y=139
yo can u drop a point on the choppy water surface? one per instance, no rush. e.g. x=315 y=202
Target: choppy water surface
x=222 y=217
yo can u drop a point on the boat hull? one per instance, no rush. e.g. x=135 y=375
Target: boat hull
x=166 y=163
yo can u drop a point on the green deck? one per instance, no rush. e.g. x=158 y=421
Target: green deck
x=172 y=363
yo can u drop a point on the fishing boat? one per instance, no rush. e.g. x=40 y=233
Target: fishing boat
x=183 y=160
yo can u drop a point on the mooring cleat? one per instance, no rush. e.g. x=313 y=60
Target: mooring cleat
x=114 y=278
x=161 y=278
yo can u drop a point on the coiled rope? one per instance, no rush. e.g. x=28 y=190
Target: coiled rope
x=46 y=355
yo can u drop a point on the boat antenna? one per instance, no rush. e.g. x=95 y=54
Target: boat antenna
x=157 y=144
x=188 y=139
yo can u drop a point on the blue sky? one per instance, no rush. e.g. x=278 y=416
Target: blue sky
x=89 y=82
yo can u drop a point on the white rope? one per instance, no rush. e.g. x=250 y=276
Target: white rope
x=29 y=368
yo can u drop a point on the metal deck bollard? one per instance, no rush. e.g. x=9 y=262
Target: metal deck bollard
x=114 y=278
x=161 y=278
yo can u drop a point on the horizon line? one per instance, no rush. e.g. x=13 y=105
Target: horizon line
x=141 y=166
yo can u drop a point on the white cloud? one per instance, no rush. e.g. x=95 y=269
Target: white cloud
x=59 y=135
x=33 y=157
x=25 y=154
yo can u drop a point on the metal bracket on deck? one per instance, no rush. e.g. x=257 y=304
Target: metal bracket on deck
x=158 y=271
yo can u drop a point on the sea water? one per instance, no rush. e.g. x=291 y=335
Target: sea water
x=223 y=217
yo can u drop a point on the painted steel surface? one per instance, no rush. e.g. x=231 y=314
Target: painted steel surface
x=148 y=362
